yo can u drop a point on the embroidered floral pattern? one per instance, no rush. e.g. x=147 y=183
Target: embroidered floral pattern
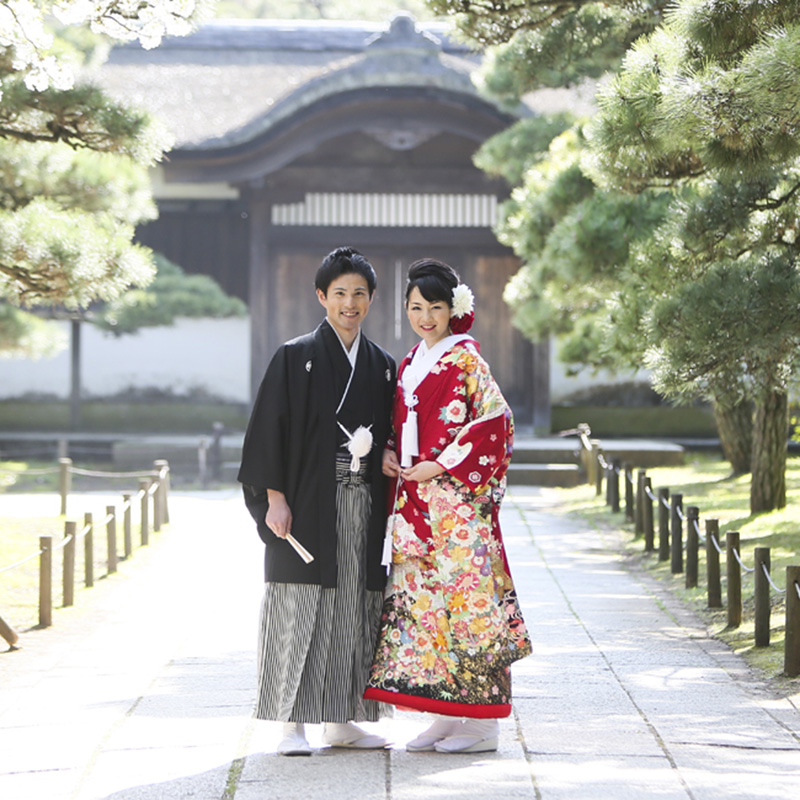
x=451 y=623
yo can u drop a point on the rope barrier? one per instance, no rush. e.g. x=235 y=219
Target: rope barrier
x=21 y=561
x=797 y=589
x=679 y=512
x=716 y=545
x=63 y=543
x=769 y=578
x=97 y=474
x=741 y=563
x=649 y=492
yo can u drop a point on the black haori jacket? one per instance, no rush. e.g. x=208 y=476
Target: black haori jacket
x=290 y=446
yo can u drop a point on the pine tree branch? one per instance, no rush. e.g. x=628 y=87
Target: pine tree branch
x=777 y=202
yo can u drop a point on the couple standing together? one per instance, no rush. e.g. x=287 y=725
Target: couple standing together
x=335 y=441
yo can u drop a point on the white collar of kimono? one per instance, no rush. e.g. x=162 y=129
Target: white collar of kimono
x=352 y=356
x=423 y=361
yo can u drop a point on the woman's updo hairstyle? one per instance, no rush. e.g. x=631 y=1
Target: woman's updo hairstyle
x=434 y=279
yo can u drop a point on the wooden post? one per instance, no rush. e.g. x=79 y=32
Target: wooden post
x=88 y=549
x=126 y=524
x=761 y=596
x=64 y=482
x=155 y=491
x=791 y=656
x=638 y=515
x=111 y=538
x=162 y=465
x=68 y=564
x=676 y=533
x=46 y=581
x=8 y=633
x=713 y=577
x=734 y=579
x=629 y=510
x=591 y=463
x=144 y=486
x=614 y=484
x=598 y=489
x=692 y=546
x=663 y=524
x=647 y=515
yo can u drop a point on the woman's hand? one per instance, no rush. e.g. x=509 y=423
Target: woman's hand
x=422 y=471
x=279 y=515
x=390 y=466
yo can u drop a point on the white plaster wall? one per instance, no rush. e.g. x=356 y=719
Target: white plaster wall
x=210 y=355
x=563 y=386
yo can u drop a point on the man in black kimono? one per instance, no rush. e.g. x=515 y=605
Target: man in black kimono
x=311 y=471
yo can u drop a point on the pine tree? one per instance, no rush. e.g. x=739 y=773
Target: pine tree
x=72 y=160
x=701 y=120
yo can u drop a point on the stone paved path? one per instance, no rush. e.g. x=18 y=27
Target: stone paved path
x=143 y=691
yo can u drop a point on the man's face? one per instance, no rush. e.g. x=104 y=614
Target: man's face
x=347 y=303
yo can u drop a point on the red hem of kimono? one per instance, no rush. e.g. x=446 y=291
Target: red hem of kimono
x=443 y=707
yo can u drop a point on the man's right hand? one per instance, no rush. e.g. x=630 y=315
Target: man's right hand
x=279 y=515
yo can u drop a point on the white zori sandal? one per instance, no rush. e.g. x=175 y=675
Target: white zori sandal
x=346 y=734
x=294 y=740
x=441 y=729
x=474 y=736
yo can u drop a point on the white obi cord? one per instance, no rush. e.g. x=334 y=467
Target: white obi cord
x=423 y=361
x=409 y=436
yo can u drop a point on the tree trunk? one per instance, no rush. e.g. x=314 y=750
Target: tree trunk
x=735 y=429
x=770 y=435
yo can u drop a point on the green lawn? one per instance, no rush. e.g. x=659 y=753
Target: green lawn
x=707 y=483
x=19 y=536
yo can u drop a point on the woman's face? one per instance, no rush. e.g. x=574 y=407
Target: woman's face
x=430 y=321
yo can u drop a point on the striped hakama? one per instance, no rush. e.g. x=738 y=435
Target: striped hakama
x=316 y=645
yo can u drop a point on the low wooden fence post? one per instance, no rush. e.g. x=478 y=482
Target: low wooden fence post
x=614 y=484
x=713 y=577
x=111 y=538
x=126 y=524
x=590 y=457
x=663 y=524
x=599 y=471
x=761 y=596
x=692 y=546
x=638 y=517
x=64 y=481
x=144 y=486
x=676 y=533
x=8 y=633
x=628 y=479
x=46 y=581
x=647 y=515
x=162 y=466
x=791 y=656
x=734 y=571
x=68 y=564
x=88 y=549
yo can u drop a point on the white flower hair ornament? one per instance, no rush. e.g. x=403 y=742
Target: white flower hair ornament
x=462 y=313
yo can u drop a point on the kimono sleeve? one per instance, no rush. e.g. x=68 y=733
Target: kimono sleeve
x=481 y=450
x=265 y=450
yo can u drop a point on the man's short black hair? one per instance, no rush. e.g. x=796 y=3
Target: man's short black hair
x=341 y=261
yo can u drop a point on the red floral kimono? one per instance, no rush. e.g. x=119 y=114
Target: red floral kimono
x=451 y=623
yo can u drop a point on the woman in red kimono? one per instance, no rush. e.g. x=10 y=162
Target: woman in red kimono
x=451 y=624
